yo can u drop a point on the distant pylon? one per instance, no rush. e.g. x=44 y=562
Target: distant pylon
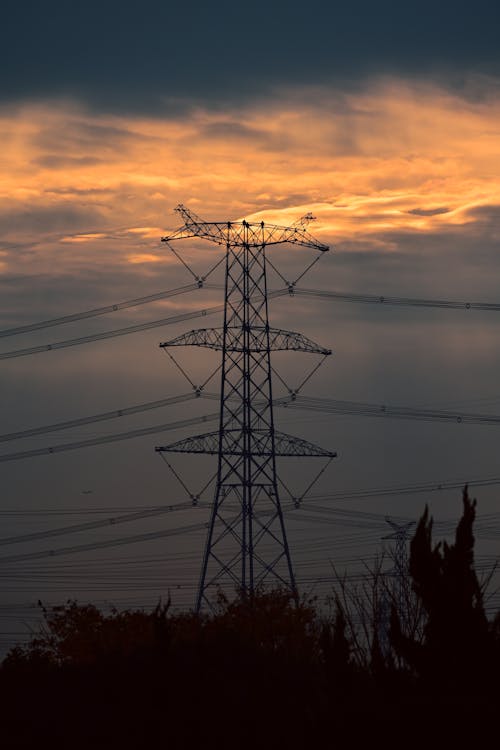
x=246 y=543
x=400 y=570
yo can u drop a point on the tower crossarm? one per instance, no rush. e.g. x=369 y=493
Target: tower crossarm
x=285 y=445
x=304 y=220
x=279 y=340
x=400 y=530
x=243 y=233
x=194 y=226
x=288 y=445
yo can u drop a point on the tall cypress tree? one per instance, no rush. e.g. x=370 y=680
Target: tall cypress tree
x=457 y=639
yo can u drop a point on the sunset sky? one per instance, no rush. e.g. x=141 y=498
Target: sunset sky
x=383 y=119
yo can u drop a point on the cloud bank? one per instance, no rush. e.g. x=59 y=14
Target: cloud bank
x=152 y=57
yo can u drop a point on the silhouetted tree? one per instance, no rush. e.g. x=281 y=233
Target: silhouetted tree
x=458 y=641
x=268 y=670
x=80 y=634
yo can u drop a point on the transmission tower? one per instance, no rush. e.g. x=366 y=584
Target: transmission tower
x=401 y=535
x=246 y=544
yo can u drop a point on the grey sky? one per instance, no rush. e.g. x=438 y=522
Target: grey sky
x=155 y=56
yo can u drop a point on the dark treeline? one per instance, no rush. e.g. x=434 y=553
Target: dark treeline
x=411 y=662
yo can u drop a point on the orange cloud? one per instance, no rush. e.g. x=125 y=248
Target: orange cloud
x=84 y=237
x=144 y=258
x=398 y=157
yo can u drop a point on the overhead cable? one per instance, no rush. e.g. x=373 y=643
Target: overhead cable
x=104 y=544
x=137 y=328
x=142 y=431
x=107 y=543
x=110 y=334
x=90 y=525
x=356 y=408
x=364 y=409
x=291 y=401
x=104 y=416
x=292 y=289
x=374 y=299
x=412 y=489
x=96 y=311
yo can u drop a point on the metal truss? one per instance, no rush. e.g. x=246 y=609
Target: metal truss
x=234 y=234
x=279 y=340
x=400 y=571
x=250 y=548
x=284 y=445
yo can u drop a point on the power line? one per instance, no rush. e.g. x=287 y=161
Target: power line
x=356 y=408
x=104 y=416
x=96 y=311
x=362 y=520
x=124 y=331
x=75 y=511
x=374 y=299
x=433 y=486
x=107 y=438
x=109 y=334
x=90 y=525
x=325 y=406
x=104 y=544
x=109 y=543
x=291 y=290
x=364 y=409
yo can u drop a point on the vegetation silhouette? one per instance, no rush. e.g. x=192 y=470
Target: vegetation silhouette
x=459 y=645
x=270 y=670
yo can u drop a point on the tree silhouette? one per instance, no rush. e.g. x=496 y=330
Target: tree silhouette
x=458 y=642
x=271 y=670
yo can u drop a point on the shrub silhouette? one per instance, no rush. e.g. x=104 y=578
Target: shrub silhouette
x=77 y=635
x=259 y=654
x=268 y=670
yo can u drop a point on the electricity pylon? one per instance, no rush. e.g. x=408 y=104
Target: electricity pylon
x=246 y=543
x=400 y=571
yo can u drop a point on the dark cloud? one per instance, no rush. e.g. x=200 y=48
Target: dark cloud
x=457 y=263
x=80 y=136
x=53 y=161
x=485 y=214
x=237 y=131
x=232 y=130
x=429 y=211
x=155 y=55
x=57 y=218
x=78 y=191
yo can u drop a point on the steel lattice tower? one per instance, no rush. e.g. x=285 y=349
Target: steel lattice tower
x=401 y=535
x=246 y=542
